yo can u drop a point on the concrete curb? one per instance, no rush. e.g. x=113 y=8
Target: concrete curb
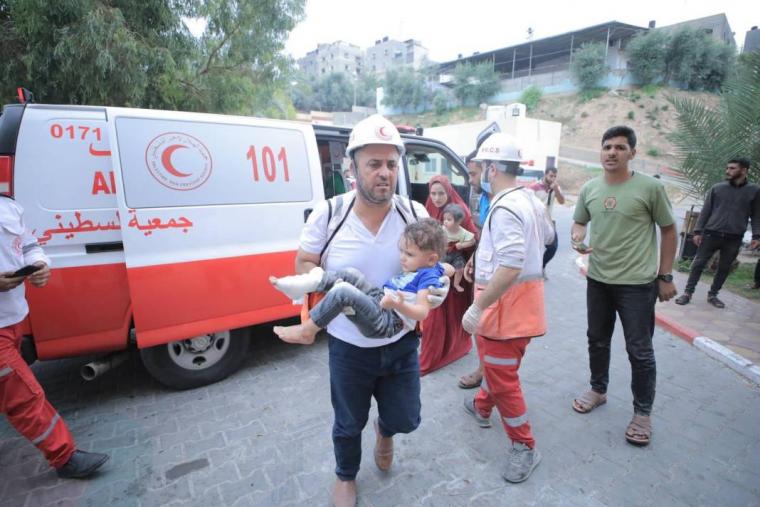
x=739 y=364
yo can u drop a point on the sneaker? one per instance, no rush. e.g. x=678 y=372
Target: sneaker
x=683 y=299
x=469 y=406
x=717 y=303
x=521 y=462
x=82 y=464
x=296 y=286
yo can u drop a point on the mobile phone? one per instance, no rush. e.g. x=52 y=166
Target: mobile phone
x=580 y=246
x=26 y=271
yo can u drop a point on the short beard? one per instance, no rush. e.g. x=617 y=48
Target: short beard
x=367 y=196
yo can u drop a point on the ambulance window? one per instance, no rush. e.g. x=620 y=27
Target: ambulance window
x=168 y=163
x=425 y=162
x=334 y=177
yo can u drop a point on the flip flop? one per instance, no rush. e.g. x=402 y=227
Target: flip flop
x=639 y=431
x=588 y=401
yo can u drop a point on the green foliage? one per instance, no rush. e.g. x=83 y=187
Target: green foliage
x=706 y=139
x=366 y=91
x=650 y=90
x=591 y=94
x=647 y=55
x=634 y=96
x=697 y=61
x=653 y=152
x=440 y=103
x=689 y=57
x=631 y=115
x=141 y=54
x=334 y=92
x=531 y=97
x=589 y=66
x=405 y=89
x=475 y=84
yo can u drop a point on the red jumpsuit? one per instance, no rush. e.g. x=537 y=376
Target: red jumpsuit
x=22 y=399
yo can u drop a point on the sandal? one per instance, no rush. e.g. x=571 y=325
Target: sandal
x=471 y=380
x=589 y=401
x=639 y=431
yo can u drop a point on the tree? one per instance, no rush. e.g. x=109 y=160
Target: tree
x=531 y=96
x=589 y=66
x=366 y=91
x=647 y=55
x=697 y=61
x=475 y=83
x=405 y=89
x=141 y=54
x=334 y=92
x=706 y=138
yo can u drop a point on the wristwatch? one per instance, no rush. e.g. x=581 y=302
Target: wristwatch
x=668 y=278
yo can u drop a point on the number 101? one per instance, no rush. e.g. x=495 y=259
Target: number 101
x=268 y=163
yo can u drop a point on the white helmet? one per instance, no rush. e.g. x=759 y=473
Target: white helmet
x=501 y=147
x=374 y=130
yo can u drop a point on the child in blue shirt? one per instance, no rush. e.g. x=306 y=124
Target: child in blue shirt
x=376 y=312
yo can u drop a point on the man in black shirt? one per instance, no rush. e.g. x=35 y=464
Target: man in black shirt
x=728 y=207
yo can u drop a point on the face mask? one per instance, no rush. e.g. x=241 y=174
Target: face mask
x=484 y=183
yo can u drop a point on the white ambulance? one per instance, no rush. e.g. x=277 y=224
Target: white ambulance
x=164 y=226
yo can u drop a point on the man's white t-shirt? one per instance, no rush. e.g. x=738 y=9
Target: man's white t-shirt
x=377 y=256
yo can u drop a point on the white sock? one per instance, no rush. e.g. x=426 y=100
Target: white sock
x=295 y=286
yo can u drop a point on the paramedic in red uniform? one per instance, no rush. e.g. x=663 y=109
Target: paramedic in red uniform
x=22 y=399
x=508 y=310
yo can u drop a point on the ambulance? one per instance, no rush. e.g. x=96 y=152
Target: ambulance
x=163 y=227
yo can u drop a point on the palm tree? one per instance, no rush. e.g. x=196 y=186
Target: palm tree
x=707 y=138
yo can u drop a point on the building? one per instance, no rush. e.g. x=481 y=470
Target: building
x=389 y=53
x=546 y=62
x=752 y=40
x=716 y=26
x=338 y=56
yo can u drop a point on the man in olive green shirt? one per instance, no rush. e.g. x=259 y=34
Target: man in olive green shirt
x=623 y=275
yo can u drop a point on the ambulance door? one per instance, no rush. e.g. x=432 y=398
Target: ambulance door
x=64 y=180
x=210 y=206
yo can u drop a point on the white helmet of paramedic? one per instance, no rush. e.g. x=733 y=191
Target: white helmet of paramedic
x=374 y=130
x=500 y=147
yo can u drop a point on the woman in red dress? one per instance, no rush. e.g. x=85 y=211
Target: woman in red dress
x=443 y=339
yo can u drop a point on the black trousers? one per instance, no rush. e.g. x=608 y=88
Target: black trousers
x=635 y=306
x=729 y=248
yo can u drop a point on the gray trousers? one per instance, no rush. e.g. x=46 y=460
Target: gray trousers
x=356 y=293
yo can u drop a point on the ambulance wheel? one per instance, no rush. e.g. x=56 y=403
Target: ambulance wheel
x=197 y=361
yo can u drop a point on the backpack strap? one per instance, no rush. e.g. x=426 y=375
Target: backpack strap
x=338 y=209
x=493 y=207
x=407 y=214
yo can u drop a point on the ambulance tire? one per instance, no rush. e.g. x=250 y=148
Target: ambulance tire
x=162 y=367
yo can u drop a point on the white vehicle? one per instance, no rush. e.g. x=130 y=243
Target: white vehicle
x=164 y=226
x=538 y=139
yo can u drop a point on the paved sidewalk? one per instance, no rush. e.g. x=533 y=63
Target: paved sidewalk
x=737 y=326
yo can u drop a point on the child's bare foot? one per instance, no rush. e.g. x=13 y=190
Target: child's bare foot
x=459 y=288
x=295 y=334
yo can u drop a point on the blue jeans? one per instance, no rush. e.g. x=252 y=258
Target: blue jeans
x=359 y=295
x=391 y=374
x=635 y=306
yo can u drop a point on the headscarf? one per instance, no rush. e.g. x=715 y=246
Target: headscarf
x=453 y=197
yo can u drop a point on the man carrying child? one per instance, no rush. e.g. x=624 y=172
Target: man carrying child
x=362 y=368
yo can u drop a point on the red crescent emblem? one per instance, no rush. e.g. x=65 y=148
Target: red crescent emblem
x=166 y=160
